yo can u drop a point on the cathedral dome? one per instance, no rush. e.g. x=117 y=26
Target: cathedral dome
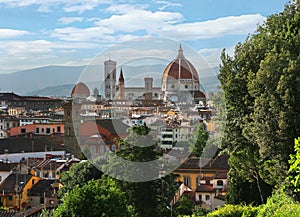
x=180 y=69
x=179 y=75
x=80 y=89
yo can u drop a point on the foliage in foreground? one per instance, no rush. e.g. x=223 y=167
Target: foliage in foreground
x=279 y=205
x=261 y=85
x=85 y=189
x=292 y=186
x=101 y=197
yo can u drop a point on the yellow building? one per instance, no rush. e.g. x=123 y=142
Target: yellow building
x=204 y=179
x=14 y=190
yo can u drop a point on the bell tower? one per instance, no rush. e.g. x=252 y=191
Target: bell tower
x=110 y=79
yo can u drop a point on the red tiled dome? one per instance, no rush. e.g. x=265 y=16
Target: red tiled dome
x=180 y=68
x=80 y=89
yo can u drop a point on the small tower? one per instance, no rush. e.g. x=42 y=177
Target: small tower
x=121 y=85
x=148 y=88
x=110 y=79
x=180 y=52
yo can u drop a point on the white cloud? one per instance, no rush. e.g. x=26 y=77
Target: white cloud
x=45 y=5
x=167 y=4
x=68 y=20
x=232 y=25
x=84 y=5
x=159 y=23
x=170 y=24
x=140 y=20
x=78 y=34
x=125 y=8
x=11 y=33
x=18 y=55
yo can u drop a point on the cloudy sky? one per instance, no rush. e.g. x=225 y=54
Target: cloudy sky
x=36 y=33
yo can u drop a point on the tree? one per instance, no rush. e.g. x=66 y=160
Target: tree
x=261 y=85
x=184 y=206
x=102 y=197
x=78 y=175
x=149 y=198
x=46 y=213
x=198 y=143
x=292 y=186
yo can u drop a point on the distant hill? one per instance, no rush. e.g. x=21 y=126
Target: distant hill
x=60 y=90
x=59 y=80
x=26 y=81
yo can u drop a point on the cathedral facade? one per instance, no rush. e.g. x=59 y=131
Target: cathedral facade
x=180 y=83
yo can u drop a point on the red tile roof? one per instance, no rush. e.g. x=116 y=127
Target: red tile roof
x=182 y=65
x=205 y=188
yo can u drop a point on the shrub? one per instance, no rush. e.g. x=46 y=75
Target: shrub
x=234 y=211
x=273 y=204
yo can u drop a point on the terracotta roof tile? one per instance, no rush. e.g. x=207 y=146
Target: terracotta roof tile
x=205 y=188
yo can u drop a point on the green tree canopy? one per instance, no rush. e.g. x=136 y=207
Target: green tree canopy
x=150 y=198
x=102 y=197
x=261 y=83
x=198 y=142
x=292 y=186
x=79 y=174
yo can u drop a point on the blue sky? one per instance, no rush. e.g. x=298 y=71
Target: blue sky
x=36 y=33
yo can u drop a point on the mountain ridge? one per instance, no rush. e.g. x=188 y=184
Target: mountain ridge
x=56 y=80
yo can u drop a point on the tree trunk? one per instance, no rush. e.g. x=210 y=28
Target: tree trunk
x=256 y=176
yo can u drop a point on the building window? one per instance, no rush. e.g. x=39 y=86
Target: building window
x=10 y=197
x=220 y=183
x=23 y=130
x=200 y=197
x=207 y=197
x=187 y=181
x=37 y=130
x=198 y=179
x=32 y=181
x=43 y=130
x=207 y=182
x=58 y=129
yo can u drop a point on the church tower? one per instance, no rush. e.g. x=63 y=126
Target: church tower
x=121 y=85
x=110 y=79
x=148 y=88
